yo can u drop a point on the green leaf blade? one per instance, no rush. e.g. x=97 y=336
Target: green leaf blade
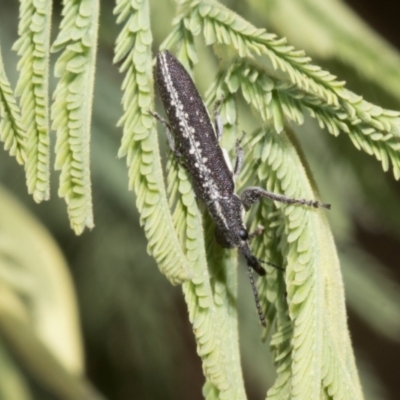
x=72 y=108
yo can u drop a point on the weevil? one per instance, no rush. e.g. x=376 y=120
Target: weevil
x=194 y=139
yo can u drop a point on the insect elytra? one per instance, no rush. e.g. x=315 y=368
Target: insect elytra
x=194 y=139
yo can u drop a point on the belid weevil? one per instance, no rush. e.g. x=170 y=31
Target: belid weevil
x=195 y=140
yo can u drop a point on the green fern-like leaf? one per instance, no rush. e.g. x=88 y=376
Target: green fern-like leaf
x=184 y=39
x=11 y=131
x=304 y=306
x=72 y=108
x=221 y=25
x=211 y=310
x=33 y=46
x=315 y=320
x=278 y=99
x=140 y=143
x=210 y=295
x=371 y=128
x=332 y=29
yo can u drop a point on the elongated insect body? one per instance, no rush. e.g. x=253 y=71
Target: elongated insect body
x=197 y=142
x=194 y=140
x=193 y=131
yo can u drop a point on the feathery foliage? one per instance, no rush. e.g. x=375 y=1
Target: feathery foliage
x=11 y=131
x=311 y=337
x=140 y=142
x=331 y=29
x=304 y=306
x=371 y=128
x=33 y=47
x=311 y=342
x=211 y=294
x=276 y=99
x=72 y=107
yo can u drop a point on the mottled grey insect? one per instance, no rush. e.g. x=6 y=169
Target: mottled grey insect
x=195 y=141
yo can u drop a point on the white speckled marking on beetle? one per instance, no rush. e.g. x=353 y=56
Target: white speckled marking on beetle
x=189 y=131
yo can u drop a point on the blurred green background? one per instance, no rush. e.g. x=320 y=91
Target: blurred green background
x=137 y=341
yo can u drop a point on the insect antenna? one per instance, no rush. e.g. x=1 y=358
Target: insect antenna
x=270 y=264
x=256 y=297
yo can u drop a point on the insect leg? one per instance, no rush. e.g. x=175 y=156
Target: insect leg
x=239 y=157
x=254 y=194
x=260 y=229
x=168 y=131
x=217 y=119
x=159 y=118
x=256 y=297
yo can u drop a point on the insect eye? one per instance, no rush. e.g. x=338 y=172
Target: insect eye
x=243 y=234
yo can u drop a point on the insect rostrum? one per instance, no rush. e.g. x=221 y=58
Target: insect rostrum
x=193 y=138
